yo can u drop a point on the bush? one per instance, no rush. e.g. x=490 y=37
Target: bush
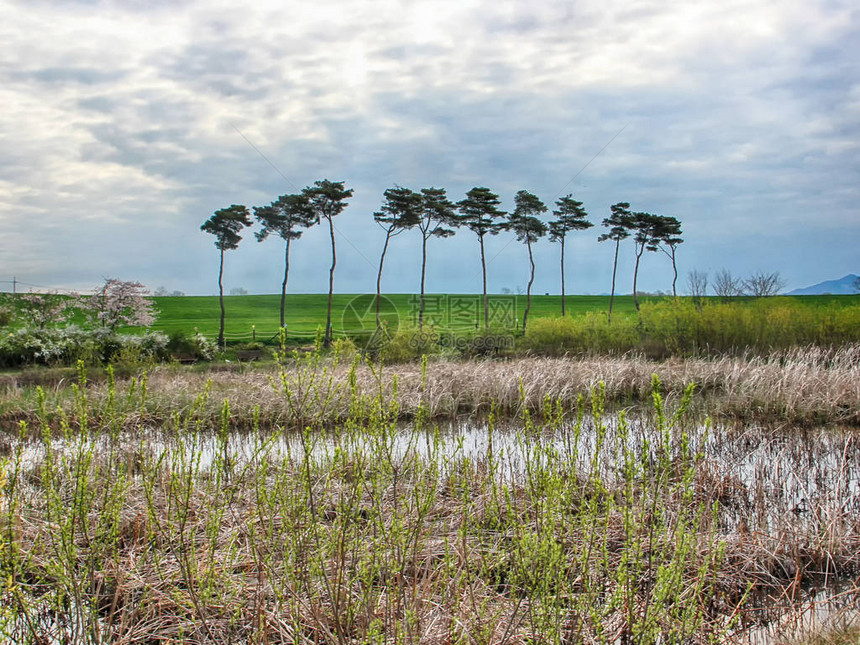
x=761 y=325
x=409 y=343
x=685 y=327
x=68 y=345
x=6 y=315
x=46 y=347
x=591 y=333
x=344 y=349
x=197 y=347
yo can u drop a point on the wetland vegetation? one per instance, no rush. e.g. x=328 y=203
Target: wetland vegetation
x=323 y=498
x=688 y=474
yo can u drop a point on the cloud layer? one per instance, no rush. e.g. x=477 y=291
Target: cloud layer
x=125 y=125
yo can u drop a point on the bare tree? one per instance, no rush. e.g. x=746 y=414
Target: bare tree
x=726 y=285
x=856 y=284
x=162 y=292
x=761 y=284
x=697 y=283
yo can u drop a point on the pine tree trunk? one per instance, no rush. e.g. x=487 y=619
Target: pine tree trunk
x=484 y=274
x=328 y=331
x=614 y=269
x=379 y=277
x=529 y=288
x=423 y=271
x=562 y=276
x=284 y=283
x=635 y=276
x=675 y=275
x=221 y=299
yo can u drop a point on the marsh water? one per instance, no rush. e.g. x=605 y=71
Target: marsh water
x=798 y=469
x=771 y=469
x=779 y=485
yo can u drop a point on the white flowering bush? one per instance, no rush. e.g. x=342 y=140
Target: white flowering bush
x=67 y=345
x=33 y=346
x=205 y=347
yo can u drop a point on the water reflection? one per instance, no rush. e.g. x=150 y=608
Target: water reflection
x=770 y=482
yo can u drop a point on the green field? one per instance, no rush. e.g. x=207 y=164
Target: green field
x=258 y=316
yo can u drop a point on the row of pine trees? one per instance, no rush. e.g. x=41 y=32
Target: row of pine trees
x=431 y=212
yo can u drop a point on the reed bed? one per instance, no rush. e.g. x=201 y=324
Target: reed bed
x=803 y=386
x=830 y=635
x=576 y=526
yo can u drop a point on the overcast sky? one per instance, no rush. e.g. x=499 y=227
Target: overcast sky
x=124 y=125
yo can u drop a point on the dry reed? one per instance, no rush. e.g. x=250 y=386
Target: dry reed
x=574 y=529
x=802 y=386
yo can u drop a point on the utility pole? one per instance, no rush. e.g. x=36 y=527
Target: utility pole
x=14 y=280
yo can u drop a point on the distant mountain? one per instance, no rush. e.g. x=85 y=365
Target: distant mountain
x=842 y=286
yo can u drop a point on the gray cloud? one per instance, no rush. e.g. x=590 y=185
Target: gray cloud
x=69 y=75
x=121 y=132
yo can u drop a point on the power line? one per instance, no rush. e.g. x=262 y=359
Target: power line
x=17 y=284
x=568 y=183
x=265 y=158
x=592 y=159
x=285 y=178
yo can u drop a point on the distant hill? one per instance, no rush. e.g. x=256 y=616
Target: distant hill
x=842 y=286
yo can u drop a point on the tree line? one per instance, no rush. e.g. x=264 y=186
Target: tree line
x=431 y=212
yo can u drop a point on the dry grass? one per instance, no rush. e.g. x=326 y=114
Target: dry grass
x=312 y=545
x=847 y=633
x=803 y=387
x=151 y=518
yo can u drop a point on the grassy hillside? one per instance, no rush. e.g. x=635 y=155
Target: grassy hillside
x=351 y=313
x=258 y=315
